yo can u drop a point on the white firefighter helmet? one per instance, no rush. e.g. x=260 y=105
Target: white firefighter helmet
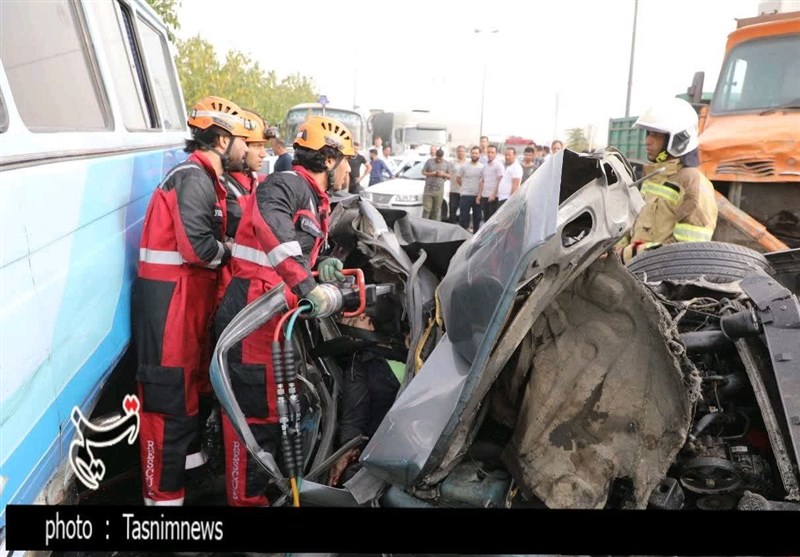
x=676 y=118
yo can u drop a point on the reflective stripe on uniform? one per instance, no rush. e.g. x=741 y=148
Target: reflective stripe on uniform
x=160 y=257
x=217 y=261
x=273 y=259
x=283 y=251
x=195 y=460
x=691 y=233
x=169 y=503
x=182 y=166
x=665 y=192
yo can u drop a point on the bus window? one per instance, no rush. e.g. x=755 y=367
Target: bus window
x=162 y=77
x=113 y=31
x=51 y=71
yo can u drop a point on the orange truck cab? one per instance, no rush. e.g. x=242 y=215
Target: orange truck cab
x=750 y=133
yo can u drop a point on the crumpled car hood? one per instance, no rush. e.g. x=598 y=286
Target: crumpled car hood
x=606 y=393
x=568 y=213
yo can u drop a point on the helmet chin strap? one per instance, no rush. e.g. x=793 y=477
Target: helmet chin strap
x=662 y=156
x=225 y=158
x=332 y=173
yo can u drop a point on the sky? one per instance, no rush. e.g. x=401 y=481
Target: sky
x=549 y=67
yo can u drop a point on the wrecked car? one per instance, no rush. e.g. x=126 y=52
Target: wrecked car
x=542 y=372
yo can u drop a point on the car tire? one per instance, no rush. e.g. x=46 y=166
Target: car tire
x=718 y=262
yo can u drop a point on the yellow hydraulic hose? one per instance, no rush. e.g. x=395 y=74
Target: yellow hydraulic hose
x=295 y=493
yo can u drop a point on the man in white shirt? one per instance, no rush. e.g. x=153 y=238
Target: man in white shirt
x=492 y=172
x=512 y=176
x=455 y=187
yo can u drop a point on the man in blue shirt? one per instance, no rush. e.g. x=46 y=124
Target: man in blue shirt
x=379 y=168
x=284 y=161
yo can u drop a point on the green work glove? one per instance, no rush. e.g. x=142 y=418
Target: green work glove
x=330 y=270
x=321 y=303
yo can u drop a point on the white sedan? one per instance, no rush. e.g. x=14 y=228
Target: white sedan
x=404 y=192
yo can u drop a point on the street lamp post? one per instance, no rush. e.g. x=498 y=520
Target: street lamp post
x=483 y=82
x=483 y=95
x=633 y=50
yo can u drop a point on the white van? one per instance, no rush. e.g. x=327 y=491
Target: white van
x=91 y=117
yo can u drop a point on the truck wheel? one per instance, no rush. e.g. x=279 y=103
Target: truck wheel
x=718 y=262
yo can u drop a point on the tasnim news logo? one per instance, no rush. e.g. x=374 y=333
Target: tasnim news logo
x=89 y=469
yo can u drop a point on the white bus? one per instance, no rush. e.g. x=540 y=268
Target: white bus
x=91 y=118
x=350 y=118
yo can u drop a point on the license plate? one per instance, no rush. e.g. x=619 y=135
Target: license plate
x=383 y=199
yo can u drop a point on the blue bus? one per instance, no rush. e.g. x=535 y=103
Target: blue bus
x=91 y=117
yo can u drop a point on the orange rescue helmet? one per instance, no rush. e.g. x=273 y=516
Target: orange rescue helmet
x=216 y=111
x=260 y=132
x=318 y=131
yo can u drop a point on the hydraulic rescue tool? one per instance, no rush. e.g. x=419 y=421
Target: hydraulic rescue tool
x=351 y=298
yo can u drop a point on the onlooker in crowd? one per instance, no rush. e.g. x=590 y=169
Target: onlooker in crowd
x=556 y=146
x=386 y=156
x=484 y=147
x=455 y=187
x=436 y=171
x=433 y=151
x=538 y=158
x=356 y=175
x=284 y=161
x=492 y=172
x=377 y=143
x=512 y=174
x=379 y=170
x=469 y=181
x=528 y=163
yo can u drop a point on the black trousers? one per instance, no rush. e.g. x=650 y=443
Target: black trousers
x=488 y=208
x=455 y=200
x=467 y=204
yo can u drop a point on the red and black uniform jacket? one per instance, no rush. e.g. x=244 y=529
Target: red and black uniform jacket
x=238 y=185
x=283 y=227
x=185 y=222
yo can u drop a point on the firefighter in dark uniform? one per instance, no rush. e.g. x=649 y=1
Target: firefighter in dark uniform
x=283 y=228
x=181 y=250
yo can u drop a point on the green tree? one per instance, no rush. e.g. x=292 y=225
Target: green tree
x=576 y=140
x=239 y=79
x=168 y=11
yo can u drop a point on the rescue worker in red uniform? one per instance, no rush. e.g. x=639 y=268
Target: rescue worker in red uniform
x=241 y=182
x=181 y=251
x=283 y=228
